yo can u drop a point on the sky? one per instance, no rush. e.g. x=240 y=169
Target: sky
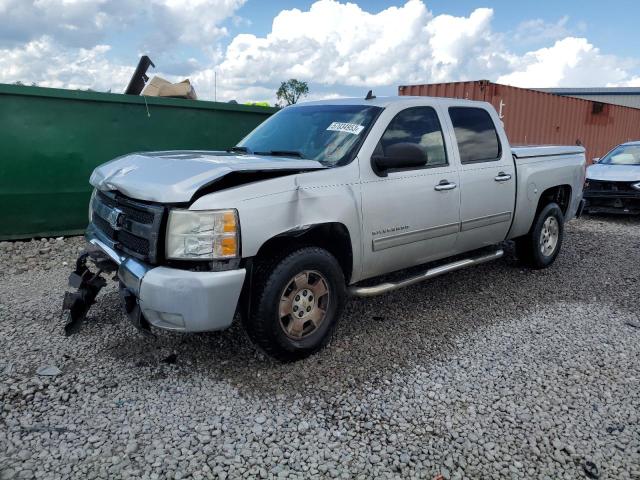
x=243 y=49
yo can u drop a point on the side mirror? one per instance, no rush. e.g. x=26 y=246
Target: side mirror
x=596 y=159
x=400 y=155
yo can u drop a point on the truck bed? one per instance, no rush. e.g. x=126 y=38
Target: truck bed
x=540 y=168
x=528 y=151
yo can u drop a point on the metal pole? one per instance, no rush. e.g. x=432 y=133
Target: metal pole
x=215 y=86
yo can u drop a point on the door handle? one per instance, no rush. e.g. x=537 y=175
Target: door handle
x=502 y=177
x=444 y=185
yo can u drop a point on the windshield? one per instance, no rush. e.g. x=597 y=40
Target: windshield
x=330 y=134
x=623 y=155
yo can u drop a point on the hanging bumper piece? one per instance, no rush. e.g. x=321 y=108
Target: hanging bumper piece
x=88 y=285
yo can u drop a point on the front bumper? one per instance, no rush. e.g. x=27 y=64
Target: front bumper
x=612 y=202
x=171 y=298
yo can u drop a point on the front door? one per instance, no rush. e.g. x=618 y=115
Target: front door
x=410 y=216
x=487 y=178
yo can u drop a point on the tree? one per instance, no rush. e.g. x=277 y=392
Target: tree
x=292 y=90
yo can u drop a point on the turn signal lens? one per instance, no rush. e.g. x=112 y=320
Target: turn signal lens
x=228 y=247
x=229 y=222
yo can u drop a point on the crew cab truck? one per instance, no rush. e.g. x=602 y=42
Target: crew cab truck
x=316 y=204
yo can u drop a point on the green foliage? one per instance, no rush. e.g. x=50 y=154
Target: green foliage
x=292 y=90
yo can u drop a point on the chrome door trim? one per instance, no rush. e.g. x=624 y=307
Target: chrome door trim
x=404 y=238
x=485 y=221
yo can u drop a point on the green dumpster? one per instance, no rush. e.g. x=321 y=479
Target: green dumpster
x=51 y=140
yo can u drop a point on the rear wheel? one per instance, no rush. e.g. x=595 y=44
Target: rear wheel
x=296 y=303
x=540 y=247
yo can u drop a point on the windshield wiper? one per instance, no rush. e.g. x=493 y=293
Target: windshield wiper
x=239 y=149
x=281 y=153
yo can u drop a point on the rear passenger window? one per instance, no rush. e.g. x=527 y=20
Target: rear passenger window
x=420 y=126
x=476 y=134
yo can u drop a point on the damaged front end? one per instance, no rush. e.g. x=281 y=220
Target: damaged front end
x=612 y=197
x=88 y=279
x=88 y=285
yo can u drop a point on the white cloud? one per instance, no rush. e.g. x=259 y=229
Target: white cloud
x=569 y=62
x=192 y=22
x=82 y=23
x=42 y=62
x=336 y=43
x=78 y=23
x=632 y=82
x=531 y=33
x=461 y=47
x=334 y=46
x=341 y=44
x=62 y=42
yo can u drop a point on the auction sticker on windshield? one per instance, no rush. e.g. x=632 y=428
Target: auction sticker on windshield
x=352 y=128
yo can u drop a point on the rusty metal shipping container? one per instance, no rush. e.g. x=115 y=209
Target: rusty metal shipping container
x=52 y=139
x=532 y=117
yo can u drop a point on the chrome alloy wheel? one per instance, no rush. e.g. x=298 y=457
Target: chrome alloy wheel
x=549 y=236
x=303 y=304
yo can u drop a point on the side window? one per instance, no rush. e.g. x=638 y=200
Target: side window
x=418 y=125
x=476 y=135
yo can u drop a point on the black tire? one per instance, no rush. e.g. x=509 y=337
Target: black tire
x=528 y=247
x=271 y=278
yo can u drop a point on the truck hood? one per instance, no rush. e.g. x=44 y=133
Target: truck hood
x=174 y=177
x=614 y=173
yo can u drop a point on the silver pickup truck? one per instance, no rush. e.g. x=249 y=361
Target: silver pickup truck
x=321 y=201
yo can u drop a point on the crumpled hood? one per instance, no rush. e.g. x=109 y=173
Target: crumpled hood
x=614 y=173
x=175 y=176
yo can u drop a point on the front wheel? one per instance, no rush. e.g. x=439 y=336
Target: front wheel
x=540 y=247
x=296 y=303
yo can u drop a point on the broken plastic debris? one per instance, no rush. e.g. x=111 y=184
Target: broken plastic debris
x=591 y=469
x=171 y=359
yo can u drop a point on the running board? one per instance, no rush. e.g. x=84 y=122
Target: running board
x=431 y=273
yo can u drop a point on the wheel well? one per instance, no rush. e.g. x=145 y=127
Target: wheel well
x=560 y=194
x=333 y=237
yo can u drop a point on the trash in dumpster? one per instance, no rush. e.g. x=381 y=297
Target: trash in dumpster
x=159 y=87
x=139 y=77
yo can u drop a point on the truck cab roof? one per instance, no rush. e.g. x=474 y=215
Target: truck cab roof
x=393 y=100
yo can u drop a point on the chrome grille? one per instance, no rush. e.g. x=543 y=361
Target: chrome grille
x=132 y=227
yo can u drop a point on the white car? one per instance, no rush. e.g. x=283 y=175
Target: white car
x=613 y=182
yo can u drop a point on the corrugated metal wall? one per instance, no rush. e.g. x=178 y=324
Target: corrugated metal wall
x=625 y=100
x=533 y=117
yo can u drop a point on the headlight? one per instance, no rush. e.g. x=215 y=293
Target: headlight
x=636 y=185
x=203 y=235
x=93 y=196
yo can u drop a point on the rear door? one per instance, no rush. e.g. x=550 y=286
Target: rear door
x=410 y=216
x=487 y=177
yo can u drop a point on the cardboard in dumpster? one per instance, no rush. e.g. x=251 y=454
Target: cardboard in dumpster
x=159 y=87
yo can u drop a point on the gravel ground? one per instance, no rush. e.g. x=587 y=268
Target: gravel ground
x=492 y=372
